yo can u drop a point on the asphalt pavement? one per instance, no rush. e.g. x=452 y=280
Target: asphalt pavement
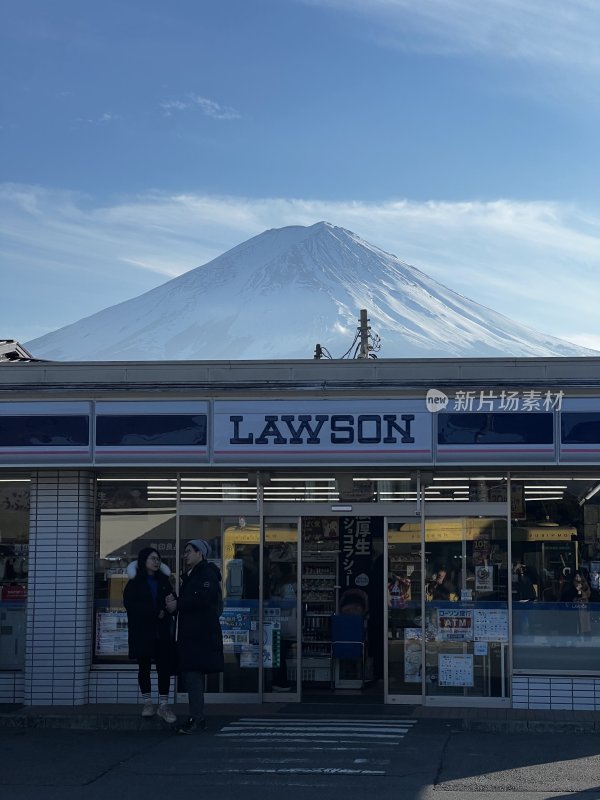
x=291 y=754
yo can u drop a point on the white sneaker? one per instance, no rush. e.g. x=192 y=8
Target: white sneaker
x=148 y=709
x=166 y=713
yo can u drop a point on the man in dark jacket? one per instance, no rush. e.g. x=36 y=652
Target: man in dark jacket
x=199 y=637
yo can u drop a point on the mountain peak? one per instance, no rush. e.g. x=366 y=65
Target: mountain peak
x=278 y=293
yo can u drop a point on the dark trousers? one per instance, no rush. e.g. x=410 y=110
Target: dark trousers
x=193 y=684
x=164 y=677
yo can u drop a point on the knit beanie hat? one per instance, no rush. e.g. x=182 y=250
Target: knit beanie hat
x=201 y=546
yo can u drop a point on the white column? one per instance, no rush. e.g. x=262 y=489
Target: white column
x=60 y=596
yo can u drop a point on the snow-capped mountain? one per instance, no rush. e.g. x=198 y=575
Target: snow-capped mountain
x=279 y=293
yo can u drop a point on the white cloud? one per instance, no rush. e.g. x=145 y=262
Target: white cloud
x=101 y=120
x=536 y=262
x=208 y=107
x=560 y=32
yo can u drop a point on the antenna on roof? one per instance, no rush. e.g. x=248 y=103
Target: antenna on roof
x=322 y=352
x=365 y=343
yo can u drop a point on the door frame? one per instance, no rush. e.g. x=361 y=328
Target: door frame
x=441 y=510
x=291 y=512
x=292 y=696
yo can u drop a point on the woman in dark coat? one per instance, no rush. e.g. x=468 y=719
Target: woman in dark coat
x=199 y=637
x=150 y=628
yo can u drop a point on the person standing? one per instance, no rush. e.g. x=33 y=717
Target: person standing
x=199 y=637
x=150 y=629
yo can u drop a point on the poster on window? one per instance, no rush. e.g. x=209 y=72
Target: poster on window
x=455 y=624
x=235 y=625
x=455 y=669
x=413 y=660
x=356 y=536
x=484 y=579
x=270 y=649
x=491 y=624
x=111 y=633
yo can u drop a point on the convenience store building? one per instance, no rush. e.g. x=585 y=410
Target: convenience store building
x=454 y=504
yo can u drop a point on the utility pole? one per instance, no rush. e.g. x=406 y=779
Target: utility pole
x=364 y=330
x=365 y=343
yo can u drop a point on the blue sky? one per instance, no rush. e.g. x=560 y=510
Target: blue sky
x=141 y=138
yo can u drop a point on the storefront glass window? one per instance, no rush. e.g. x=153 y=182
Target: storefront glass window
x=528 y=428
x=556 y=574
x=132 y=513
x=14 y=551
x=580 y=428
x=50 y=431
x=235 y=545
x=404 y=596
x=150 y=429
x=466 y=609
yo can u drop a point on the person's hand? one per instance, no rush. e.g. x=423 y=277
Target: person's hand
x=161 y=614
x=171 y=603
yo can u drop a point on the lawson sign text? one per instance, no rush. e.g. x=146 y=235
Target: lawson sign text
x=382 y=431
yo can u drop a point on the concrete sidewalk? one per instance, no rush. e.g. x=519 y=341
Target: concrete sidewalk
x=123 y=717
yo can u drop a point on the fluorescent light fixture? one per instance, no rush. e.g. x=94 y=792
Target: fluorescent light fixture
x=306 y=480
x=341 y=508
x=200 y=492
x=590 y=494
x=451 y=488
x=141 y=479
x=201 y=481
x=545 y=490
x=520 y=478
x=301 y=497
x=15 y=480
x=546 y=486
x=395 y=478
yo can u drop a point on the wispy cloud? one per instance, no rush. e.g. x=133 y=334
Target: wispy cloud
x=543 y=31
x=208 y=107
x=103 y=119
x=536 y=262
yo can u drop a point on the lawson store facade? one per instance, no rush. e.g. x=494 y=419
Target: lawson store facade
x=452 y=504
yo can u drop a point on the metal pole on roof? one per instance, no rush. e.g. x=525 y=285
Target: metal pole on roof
x=364 y=329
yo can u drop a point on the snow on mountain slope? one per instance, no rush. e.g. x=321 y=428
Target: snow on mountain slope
x=279 y=293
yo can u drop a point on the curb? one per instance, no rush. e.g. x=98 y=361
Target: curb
x=135 y=723
x=84 y=722
x=529 y=726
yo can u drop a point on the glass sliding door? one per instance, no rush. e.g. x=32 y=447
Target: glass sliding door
x=403 y=609
x=280 y=624
x=466 y=627
x=260 y=603
x=235 y=549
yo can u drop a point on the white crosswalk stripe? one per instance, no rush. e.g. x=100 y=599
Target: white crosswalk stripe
x=307 y=730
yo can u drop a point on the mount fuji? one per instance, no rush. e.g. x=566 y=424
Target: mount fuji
x=278 y=294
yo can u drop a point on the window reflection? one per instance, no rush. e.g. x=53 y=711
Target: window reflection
x=130 y=516
x=556 y=575
x=14 y=568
